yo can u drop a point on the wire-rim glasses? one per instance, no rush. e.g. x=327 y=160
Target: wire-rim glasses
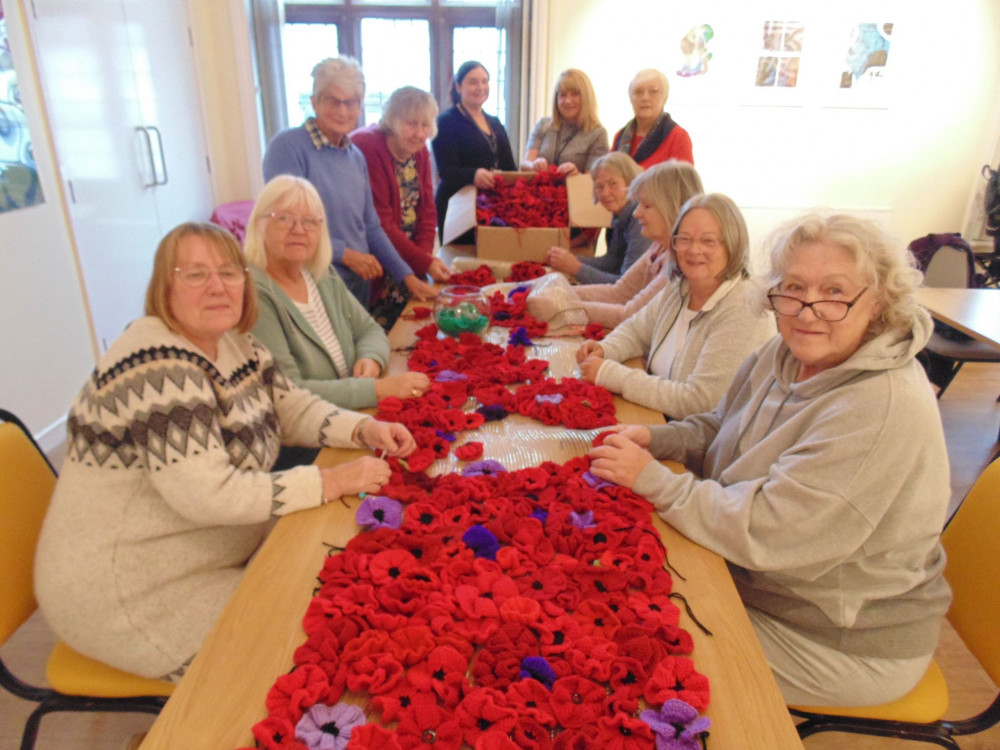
x=829 y=310
x=287 y=221
x=196 y=276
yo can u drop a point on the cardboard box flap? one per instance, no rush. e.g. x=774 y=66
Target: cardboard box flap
x=583 y=211
x=461 y=216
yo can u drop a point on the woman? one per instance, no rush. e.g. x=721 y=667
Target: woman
x=399 y=168
x=321 y=337
x=652 y=136
x=662 y=190
x=321 y=152
x=696 y=332
x=572 y=138
x=825 y=477
x=165 y=492
x=469 y=144
x=612 y=173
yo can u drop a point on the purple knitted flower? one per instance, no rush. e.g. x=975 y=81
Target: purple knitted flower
x=676 y=725
x=377 y=511
x=555 y=398
x=482 y=542
x=537 y=668
x=450 y=376
x=595 y=481
x=485 y=468
x=582 y=520
x=328 y=727
x=519 y=337
x=518 y=290
x=492 y=413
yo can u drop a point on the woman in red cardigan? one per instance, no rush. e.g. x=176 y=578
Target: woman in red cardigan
x=652 y=137
x=399 y=171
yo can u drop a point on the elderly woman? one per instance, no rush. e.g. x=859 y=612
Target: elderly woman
x=824 y=472
x=662 y=191
x=652 y=136
x=612 y=174
x=317 y=332
x=470 y=144
x=696 y=332
x=572 y=137
x=166 y=490
x=321 y=152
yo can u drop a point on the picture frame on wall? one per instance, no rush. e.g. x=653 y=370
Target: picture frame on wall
x=858 y=65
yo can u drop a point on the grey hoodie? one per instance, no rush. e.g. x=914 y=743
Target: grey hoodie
x=827 y=496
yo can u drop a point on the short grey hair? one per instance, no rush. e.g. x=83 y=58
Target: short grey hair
x=344 y=72
x=279 y=194
x=650 y=73
x=733 y=228
x=408 y=101
x=617 y=162
x=667 y=187
x=886 y=266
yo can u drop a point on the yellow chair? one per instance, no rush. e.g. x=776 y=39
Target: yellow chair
x=77 y=682
x=971 y=543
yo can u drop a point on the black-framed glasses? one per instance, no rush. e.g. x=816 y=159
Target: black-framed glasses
x=830 y=310
x=197 y=275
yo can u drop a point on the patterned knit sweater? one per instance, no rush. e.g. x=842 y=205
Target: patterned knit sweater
x=165 y=492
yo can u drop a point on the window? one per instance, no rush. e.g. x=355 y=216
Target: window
x=399 y=42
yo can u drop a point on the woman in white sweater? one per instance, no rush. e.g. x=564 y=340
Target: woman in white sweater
x=165 y=492
x=698 y=329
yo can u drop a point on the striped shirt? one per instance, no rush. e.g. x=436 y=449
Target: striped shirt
x=316 y=315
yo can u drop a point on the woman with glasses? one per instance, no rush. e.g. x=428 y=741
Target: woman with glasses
x=319 y=334
x=695 y=333
x=167 y=488
x=652 y=137
x=824 y=472
x=321 y=152
x=470 y=144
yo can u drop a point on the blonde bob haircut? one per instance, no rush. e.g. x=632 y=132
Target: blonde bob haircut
x=576 y=80
x=282 y=193
x=884 y=265
x=405 y=103
x=732 y=229
x=616 y=162
x=343 y=72
x=666 y=187
x=158 y=292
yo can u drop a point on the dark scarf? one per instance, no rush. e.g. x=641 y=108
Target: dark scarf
x=660 y=130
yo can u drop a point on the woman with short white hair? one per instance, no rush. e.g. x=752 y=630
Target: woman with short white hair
x=652 y=137
x=824 y=474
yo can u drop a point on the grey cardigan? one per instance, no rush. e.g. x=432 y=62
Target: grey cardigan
x=582 y=148
x=720 y=337
x=301 y=355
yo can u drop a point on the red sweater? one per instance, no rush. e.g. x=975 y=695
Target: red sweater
x=418 y=250
x=677 y=145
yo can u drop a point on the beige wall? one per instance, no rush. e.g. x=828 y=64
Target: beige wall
x=914 y=163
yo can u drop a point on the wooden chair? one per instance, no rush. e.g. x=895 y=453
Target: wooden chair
x=970 y=541
x=78 y=683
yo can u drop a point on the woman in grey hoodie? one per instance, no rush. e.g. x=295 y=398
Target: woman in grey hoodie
x=825 y=476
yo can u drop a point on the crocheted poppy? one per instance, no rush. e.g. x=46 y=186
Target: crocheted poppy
x=577 y=701
x=676 y=725
x=373 y=737
x=276 y=733
x=296 y=691
x=431 y=728
x=325 y=727
x=484 y=710
x=378 y=511
x=676 y=677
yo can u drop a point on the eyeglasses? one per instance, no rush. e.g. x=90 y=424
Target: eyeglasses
x=830 y=310
x=287 y=221
x=639 y=92
x=197 y=276
x=333 y=102
x=684 y=242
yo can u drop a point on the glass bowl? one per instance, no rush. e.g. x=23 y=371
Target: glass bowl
x=462 y=309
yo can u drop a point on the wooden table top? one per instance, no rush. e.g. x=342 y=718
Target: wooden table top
x=975 y=312
x=222 y=695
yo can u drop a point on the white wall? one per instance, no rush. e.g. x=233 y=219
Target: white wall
x=914 y=164
x=46 y=346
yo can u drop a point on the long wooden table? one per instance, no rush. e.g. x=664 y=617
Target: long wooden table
x=975 y=312
x=222 y=695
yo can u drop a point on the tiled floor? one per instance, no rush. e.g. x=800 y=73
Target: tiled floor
x=971 y=419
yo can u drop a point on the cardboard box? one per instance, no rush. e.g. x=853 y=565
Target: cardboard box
x=533 y=243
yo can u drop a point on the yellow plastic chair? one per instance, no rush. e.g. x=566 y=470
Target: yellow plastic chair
x=971 y=543
x=78 y=683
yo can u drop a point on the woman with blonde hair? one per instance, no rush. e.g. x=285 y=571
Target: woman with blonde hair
x=572 y=137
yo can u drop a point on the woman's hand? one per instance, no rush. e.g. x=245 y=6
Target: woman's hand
x=364 y=265
x=366 y=474
x=439 y=270
x=589 y=349
x=563 y=260
x=590 y=367
x=420 y=289
x=484 y=179
x=619 y=460
x=391 y=437
x=540 y=164
x=366 y=367
x=405 y=385
x=567 y=168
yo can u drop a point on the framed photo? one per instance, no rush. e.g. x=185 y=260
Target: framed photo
x=858 y=70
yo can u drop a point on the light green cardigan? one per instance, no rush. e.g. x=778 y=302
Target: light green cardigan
x=300 y=353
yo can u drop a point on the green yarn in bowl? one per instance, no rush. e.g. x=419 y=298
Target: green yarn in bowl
x=462 y=318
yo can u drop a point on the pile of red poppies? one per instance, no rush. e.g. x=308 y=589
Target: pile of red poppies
x=524 y=270
x=539 y=200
